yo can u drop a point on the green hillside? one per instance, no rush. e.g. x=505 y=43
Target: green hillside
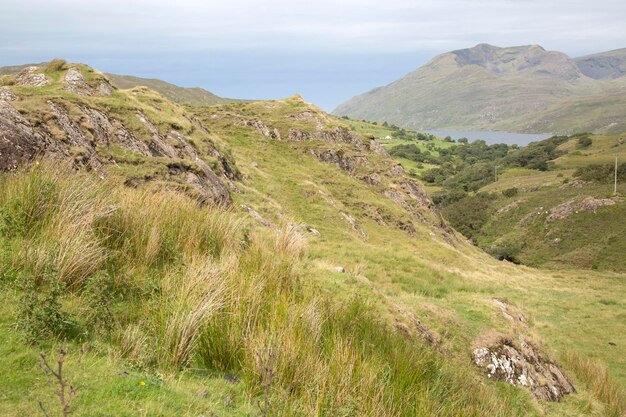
x=517 y=89
x=559 y=212
x=266 y=259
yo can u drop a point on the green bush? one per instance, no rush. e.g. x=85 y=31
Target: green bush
x=584 y=142
x=602 y=174
x=506 y=251
x=510 y=192
x=469 y=214
x=40 y=316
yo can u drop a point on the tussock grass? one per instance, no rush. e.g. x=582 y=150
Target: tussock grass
x=191 y=288
x=55 y=65
x=599 y=382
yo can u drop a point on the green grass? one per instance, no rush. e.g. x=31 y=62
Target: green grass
x=199 y=301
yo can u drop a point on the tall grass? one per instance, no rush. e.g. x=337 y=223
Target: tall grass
x=599 y=382
x=190 y=288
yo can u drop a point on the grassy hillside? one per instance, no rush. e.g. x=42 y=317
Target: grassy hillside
x=193 y=96
x=326 y=284
x=519 y=89
x=183 y=95
x=563 y=217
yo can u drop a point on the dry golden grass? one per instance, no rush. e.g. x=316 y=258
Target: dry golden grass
x=599 y=382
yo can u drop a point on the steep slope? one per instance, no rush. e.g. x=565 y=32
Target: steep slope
x=386 y=313
x=184 y=95
x=523 y=89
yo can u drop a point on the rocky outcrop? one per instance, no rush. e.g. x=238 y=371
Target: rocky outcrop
x=261 y=127
x=339 y=157
x=342 y=135
x=568 y=208
x=76 y=138
x=175 y=145
x=377 y=148
x=256 y=216
x=29 y=78
x=79 y=134
x=298 y=135
x=74 y=82
x=19 y=142
x=6 y=94
x=521 y=363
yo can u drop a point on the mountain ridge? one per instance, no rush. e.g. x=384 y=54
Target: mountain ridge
x=520 y=89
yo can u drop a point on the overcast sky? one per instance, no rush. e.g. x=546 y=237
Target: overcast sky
x=327 y=50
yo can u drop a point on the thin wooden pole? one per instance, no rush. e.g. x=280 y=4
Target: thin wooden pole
x=615 y=184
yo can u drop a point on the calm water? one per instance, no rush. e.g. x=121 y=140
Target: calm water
x=521 y=139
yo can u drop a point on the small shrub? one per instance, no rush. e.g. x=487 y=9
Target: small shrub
x=55 y=65
x=604 y=173
x=584 y=142
x=510 y=192
x=40 y=316
x=506 y=251
x=8 y=80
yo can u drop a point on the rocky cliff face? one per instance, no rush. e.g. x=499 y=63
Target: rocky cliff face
x=80 y=119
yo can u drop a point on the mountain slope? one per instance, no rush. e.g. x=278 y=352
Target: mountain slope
x=218 y=308
x=604 y=65
x=523 y=89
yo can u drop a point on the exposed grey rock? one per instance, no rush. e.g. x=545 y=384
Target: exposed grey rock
x=342 y=135
x=262 y=128
x=19 y=142
x=256 y=216
x=76 y=138
x=28 y=77
x=353 y=223
x=6 y=94
x=568 y=208
x=298 y=135
x=74 y=82
x=377 y=148
x=522 y=364
x=312 y=230
x=397 y=171
x=509 y=312
x=372 y=179
x=340 y=269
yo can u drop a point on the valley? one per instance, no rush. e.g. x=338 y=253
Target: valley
x=266 y=258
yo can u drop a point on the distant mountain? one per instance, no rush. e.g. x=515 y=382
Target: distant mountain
x=604 y=65
x=521 y=89
x=194 y=96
